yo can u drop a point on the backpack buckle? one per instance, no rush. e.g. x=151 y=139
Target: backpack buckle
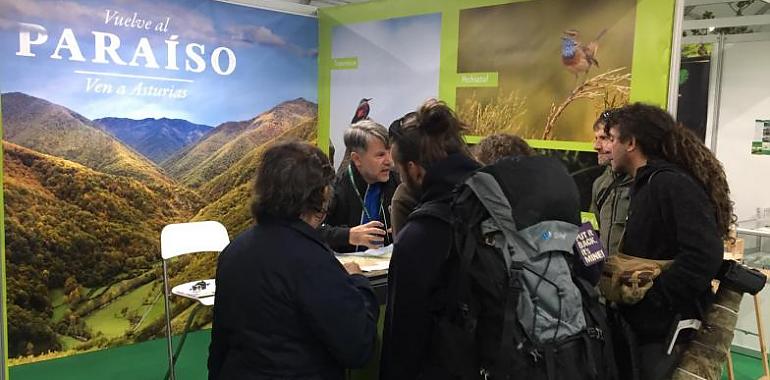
x=536 y=355
x=595 y=333
x=489 y=240
x=514 y=276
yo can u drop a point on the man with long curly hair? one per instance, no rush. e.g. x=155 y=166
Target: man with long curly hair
x=680 y=211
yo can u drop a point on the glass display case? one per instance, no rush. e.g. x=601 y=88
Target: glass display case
x=755 y=237
x=756 y=242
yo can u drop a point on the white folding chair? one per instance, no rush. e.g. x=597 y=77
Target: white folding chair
x=181 y=239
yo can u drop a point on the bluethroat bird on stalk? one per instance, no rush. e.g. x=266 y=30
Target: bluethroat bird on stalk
x=362 y=112
x=576 y=56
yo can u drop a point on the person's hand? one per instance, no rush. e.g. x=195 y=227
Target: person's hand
x=352 y=268
x=370 y=235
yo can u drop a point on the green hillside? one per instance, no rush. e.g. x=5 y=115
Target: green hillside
x=83 y=222
x=232 y=208
x=228 y=143
x=243 y=171
x=52 y=129
x=68 y=226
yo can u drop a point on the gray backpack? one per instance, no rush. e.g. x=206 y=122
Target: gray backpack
x=511 y=303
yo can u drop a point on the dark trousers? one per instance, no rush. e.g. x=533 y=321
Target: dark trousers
x=641 y=361
x=655 y=363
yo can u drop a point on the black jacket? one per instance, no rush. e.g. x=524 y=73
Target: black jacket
x=286 y=309
x=346 y=211
x=413 y=278
x=671 y=217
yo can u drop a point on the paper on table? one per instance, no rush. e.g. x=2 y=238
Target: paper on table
x=381 y=251
x=378 y=266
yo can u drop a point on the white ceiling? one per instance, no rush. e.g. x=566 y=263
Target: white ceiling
x=325 y=3
x=755 y=15
x=694 y=9
x=302 y=7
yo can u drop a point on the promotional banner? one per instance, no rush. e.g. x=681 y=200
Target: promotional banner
x=540 y=69
x=120 y=117
x=386 y=67
x=544 y=69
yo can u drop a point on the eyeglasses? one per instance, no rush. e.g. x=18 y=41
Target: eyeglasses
x=607 y=115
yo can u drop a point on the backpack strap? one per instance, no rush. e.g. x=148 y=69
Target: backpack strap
x=438 y=209
x=491 y=196
x=605 y=193
x=649 y=179
x=512 y=337
x=464 y=247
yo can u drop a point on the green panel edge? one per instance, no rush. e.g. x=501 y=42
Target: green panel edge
x=324 y=80
x=450 y=41
x=545 y=144
x=650 y=68
x=3 y=297
x=650 y=65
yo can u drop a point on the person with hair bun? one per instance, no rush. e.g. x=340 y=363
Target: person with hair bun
x=432 y=158
x=680 y=213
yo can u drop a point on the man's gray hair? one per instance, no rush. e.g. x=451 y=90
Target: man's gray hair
x=357 y=136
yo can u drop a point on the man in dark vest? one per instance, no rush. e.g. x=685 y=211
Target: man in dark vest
x=359 y=216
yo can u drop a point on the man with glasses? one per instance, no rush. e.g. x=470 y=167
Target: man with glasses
x=610 y=192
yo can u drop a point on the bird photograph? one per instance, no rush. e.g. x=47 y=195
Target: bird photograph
x=362 y=111
x=578 y=57
x=559 y=65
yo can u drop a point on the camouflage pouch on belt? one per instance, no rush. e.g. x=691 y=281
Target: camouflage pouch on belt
x=625 y=279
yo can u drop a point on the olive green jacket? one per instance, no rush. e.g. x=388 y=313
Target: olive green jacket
x=609 y=202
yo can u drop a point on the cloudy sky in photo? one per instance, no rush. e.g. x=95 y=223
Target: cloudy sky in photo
x=276 y=57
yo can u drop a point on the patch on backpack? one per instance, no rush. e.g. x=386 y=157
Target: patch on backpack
x=589 y=246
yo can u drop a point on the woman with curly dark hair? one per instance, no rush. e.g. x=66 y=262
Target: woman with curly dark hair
x=679 y=214
x=285 y=307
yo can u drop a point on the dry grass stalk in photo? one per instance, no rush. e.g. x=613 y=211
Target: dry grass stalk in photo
x=503 y=115
x=612 y=82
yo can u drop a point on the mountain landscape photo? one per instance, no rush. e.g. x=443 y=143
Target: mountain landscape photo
x=85 y=203
x=156 y=139
x=55 y=130
x=231 y=141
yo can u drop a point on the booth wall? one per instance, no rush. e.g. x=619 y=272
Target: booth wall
x=119 y=118
x=744 y=99
x=649 y=64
